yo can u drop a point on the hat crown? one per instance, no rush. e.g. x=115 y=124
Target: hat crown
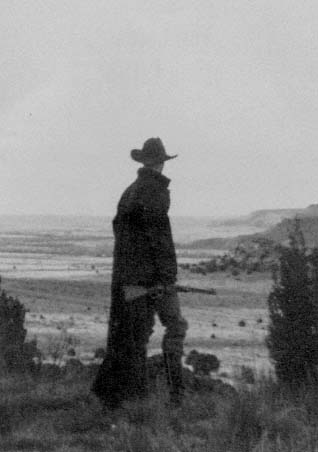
x=153 y=152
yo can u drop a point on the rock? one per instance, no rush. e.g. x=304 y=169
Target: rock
x=202 y=363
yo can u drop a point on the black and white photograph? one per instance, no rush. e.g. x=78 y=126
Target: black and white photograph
x=159 y=226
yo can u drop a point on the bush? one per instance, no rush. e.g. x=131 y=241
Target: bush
x=293 y=328
x=16 y=355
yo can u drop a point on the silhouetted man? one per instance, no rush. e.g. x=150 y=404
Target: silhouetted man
x=143 y=284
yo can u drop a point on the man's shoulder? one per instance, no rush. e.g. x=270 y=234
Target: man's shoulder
x=137 y=192
x=144 y=189
x=127 y=196
x=144 y=192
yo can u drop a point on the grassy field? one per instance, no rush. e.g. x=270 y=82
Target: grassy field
x=231 y=324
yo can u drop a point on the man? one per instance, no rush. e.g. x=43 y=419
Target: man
x=144 y=274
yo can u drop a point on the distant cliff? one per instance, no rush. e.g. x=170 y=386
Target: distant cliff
x=280 y=224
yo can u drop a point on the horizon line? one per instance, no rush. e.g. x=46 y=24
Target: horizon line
x=177 y=215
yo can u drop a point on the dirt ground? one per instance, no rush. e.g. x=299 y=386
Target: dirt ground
x=231 y=324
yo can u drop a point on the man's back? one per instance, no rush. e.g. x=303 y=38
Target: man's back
x=144 y=251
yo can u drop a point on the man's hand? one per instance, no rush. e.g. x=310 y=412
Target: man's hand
x=156 y=292
x=133 y=292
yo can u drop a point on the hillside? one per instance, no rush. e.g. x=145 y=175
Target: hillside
x=308 y=225
x=278 y=232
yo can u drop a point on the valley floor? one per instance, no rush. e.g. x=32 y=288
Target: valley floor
x=231 y=324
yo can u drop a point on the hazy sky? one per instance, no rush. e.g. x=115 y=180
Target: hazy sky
x=229 y=85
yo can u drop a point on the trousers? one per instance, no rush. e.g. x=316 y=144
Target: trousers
x=123 y=373
x=167 y=307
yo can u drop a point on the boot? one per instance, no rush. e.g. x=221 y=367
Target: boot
x=173 y=367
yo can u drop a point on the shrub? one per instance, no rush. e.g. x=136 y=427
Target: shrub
x=293 y=328
x=15 y=354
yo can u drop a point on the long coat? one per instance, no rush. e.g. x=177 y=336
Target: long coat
x=144 y=255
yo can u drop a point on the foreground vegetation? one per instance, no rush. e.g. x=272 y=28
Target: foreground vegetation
x=55 y=411
x=61 y=415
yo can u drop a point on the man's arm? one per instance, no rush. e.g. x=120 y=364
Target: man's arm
x=158 y=238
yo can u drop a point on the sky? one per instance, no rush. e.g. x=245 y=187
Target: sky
x=230 y=86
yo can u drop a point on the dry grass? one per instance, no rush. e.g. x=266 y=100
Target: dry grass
x=61 y=415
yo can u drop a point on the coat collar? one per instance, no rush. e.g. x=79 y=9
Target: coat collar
x=150 y=174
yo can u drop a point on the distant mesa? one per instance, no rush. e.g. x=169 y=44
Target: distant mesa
x=263 y=218
x=275 y=225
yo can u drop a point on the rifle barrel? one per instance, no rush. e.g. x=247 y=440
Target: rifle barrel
x=189 y=289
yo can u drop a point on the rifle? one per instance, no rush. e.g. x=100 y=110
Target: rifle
x=189 y=289
x=133 y=292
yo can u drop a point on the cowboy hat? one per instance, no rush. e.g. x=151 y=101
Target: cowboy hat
x=153 y=152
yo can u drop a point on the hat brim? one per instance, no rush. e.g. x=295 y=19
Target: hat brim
x=138 y=156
